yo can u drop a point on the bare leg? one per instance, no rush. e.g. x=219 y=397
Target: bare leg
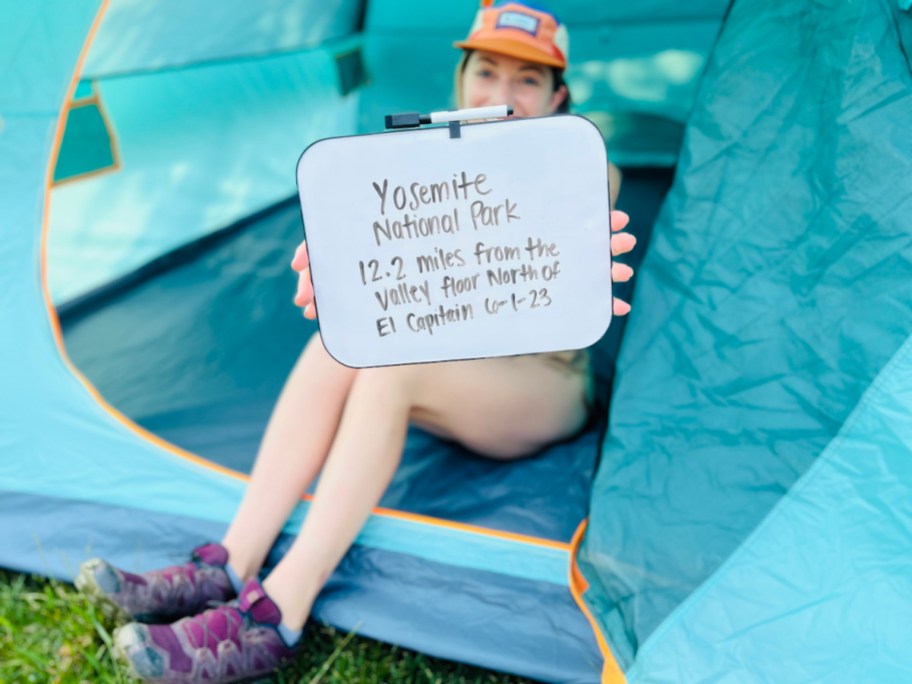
x=506 y=408
x=361 y=462
x=294 y=447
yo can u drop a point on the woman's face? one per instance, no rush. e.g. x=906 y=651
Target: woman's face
x=492 y=79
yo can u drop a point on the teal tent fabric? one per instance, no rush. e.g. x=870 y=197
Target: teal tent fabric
x=753 y=486
x=634 y=68
x=827 y=570
x=77 y=479
x=207 y=115
x=140 y=37
x=777 y=287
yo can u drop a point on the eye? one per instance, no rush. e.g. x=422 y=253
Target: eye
x=484 y=73
x=531 y=81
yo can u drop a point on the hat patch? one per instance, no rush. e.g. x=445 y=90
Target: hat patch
x=518 y=20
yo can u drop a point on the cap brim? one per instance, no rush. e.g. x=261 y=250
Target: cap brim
x=512 y=48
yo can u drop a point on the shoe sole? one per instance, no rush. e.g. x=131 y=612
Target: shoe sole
x=87 y=583
x=127 y=639
x=130 y=639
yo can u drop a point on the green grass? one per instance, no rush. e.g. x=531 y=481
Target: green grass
x=49 y=632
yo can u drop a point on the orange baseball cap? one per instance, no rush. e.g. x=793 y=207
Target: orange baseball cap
x=519 y=30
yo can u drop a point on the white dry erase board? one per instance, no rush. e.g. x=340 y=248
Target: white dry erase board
x=426 y=247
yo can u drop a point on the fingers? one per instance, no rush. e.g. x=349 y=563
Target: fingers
x=304 y=297
x=621 y=273
x=301 y=259
x=619 y=221
x=308 y=306
x=305 y=292
x=622 y=243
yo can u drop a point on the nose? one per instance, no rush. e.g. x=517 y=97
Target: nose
x=505 y=92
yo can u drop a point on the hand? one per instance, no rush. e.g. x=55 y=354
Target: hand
x=304 y=297
x=621 y=243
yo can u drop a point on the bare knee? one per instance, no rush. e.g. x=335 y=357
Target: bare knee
x=394 y=383
x=316 y=363
x=315 y=350
x=315 y=346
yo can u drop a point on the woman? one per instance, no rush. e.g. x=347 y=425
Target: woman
x=349 y=425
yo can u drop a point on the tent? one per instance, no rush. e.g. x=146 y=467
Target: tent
x=743 y=511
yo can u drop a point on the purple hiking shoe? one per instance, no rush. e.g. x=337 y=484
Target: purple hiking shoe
x=159 y=595
x=229 y=643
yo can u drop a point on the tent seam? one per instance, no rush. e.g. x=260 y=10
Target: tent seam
x=611 y=669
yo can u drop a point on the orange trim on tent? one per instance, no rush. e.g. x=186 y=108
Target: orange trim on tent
x=51 y=311
x=156 y=440
x=611 y=671
x=475 y=529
